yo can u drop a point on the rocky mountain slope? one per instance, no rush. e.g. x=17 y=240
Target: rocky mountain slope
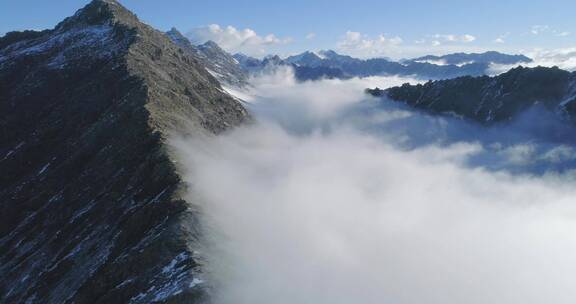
x=91 y=203
x=492 y=99
x=218 y=62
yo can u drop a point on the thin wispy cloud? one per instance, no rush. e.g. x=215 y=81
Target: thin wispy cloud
x=310 y=36
x=363 y=45
x=451 y=38
x=539 y=29
x=502 y=38
x=546 y=29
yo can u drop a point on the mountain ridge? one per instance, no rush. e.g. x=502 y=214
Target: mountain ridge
x=329 y=64
x=92 y=205
x=492 y=99
x=492 y=57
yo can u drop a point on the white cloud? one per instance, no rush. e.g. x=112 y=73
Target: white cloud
x=539 y=29
x=311 y=36
x=361 y=45
x=564 y=58
x=546 y=29
x=326 y=212
x=559 y=154
x=466 y=38
x=364 y=46
x=235 y=40
x=502 y=38
x=438 y=40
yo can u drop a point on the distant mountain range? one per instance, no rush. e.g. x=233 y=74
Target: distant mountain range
x=461 y=59
x=329 y=64
x=234 y=70
x=492 y=99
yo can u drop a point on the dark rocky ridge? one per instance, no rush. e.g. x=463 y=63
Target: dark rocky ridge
x=91 y=203
x=492 y=99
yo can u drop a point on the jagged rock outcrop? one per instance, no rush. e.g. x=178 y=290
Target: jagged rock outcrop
x=91 y=202
x=492 y=99
x=218 y=62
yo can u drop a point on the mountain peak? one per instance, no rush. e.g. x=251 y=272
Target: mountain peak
x=329 y=53
x=174 y=30
x=177 y=37
x=211 y=44
x=99 y=12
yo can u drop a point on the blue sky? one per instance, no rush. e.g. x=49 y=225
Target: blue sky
x=365 y=28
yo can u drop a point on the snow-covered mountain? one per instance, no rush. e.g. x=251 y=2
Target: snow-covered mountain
x=309 y=59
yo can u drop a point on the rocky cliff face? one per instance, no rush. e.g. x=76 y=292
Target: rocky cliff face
x=492 y=99
x=91 y=203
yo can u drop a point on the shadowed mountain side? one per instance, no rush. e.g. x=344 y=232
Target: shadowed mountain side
x=91 y=207
x=492 y=99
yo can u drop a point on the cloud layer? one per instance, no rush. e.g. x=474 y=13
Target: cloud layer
x=334 y=198
x=564 y=58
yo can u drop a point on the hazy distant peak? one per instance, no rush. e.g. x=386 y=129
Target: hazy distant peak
x=491 y=57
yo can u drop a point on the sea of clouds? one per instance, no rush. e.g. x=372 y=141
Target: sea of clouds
x=335 y=197
x=564 y=58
